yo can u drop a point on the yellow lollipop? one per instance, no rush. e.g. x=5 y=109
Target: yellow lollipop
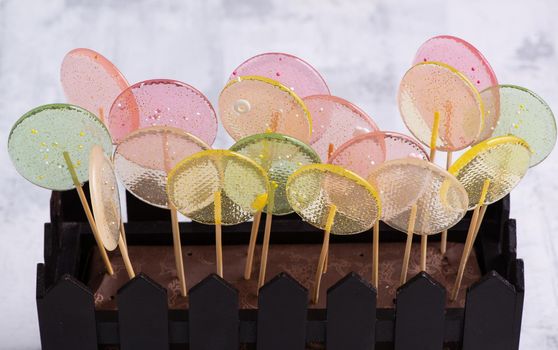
x=218 y=187
x=105 y=201
x=251 y=105
x=335 y=200
x=488 y=171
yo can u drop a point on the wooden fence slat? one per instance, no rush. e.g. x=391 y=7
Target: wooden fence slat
x=419 y=314
x=214 y=320
x=351 y=314
x=490 y=314
x=67 y=316
x=282 y=308
x=143 y=315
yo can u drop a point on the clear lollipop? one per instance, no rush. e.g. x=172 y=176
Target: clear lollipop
x=218 y=187
x=279 y=155
x=335 y=200
x=50 y=145
x=291 y=71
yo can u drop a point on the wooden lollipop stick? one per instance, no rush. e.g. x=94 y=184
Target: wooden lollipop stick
x=471 y=236
x=252 y=246
x=326 y=260
x=444 y=239
x=101 y=115
x=124 y=251
x=423 y=246
x=408 y=244
x=375 y=253
x=325 y=245
x=330 y=150
x=88 y=213
x=434 y=136
x=218 y=234
x=267 y=234
x=177 y=247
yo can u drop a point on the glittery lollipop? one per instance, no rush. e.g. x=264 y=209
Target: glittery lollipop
x=143 y=160
x=367 y=151
x=489 y=171
x=50 y=145
x=334 y=200
x=91 y=81
x=524 y=114
x=418 y=197
x=291 y=71
x=162 y=102
x=335 y=121
x=103 y=189
x=251 y=105
x=218 y=187
x=279 y=155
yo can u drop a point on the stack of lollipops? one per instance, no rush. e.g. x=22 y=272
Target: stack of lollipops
x=298 y=148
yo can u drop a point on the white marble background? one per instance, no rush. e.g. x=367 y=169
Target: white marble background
x=361 y=47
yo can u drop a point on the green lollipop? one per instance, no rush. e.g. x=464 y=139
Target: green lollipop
x=50 y=147
x=280 y=156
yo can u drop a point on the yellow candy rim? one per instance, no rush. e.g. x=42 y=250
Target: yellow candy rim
x=281 y=87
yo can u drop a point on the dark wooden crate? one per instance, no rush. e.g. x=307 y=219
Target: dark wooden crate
x=419 y=319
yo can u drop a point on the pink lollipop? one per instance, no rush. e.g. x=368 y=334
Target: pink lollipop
x=91 y=81
x=469 y=61
x=364 y=152
x=162 y=102
x=289 y=70
x=334 y=122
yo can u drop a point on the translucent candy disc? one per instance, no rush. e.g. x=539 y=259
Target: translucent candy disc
x=253 y=105
x=365 y=152
x=194 y=181
x=163 y=102
x=91 y=81
x=289 y=70
x=39 y=138
x=145 y=157
x=313 y=189
x=335 y=121
x=105 y=201
x=440 y=199
x=280 y=156
x=525 y=115
x=432 y=87
x=501 y=160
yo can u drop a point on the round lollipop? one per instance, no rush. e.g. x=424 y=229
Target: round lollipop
x=335 y=200
x=103 y=189
x=251 y=105
x=91 y=81
x=279 y=155
x=365 y=152
x=418 y=197
x=489 y=171
x=50 y=145
x=218 y=187
x=289 y=70
x=335 y=121
x=143 y=160
x=162 y=102
x=523 y=114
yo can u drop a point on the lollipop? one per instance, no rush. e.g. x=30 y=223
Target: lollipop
x=162 y=102
x=105 y=201
x=279 y=155
x=367 y=151
x=252 y=105
x=523 y=114
x=218 y=187
x=91 y=81
x=335 y=200
x=289 y=70
x=50 y=145
x=489 y=171
x=418 y=197
x=143 y=160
